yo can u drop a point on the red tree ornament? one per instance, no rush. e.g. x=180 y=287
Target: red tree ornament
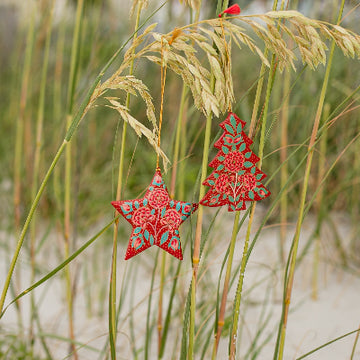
x=235 y=178
x=155 y=219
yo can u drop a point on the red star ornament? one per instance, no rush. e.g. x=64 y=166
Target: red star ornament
x=235 y=179
x=155 y=219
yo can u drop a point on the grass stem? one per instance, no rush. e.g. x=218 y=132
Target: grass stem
x=289 y=277
x=319 y=205
x=238 y=295
x=221 y=320
x=198 y=232
x=284 y=169
x=18 y=154
x=221 y=5
x=27 y=223
x=68 y=170
x=37 y=154
x=112 y=291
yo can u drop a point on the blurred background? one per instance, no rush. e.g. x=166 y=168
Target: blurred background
x=49 y=26
x=105 y=27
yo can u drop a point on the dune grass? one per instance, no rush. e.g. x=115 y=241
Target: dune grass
x=290 y=76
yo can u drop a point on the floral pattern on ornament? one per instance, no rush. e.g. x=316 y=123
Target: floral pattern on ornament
x=248 y=182
x=158 y=198
x=234 y=161
x=155 y=219
x=222 y=184
x=235 y=179
x=172 y=219
x=142 y=216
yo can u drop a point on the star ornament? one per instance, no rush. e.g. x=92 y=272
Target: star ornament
x=155 y=219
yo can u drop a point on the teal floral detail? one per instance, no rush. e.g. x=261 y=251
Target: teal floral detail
x=151 y=240
x=158 y=181
x=174 y=243
x=137 y=230
x=242 y=147
x=186 y=209
x=163 y=210
x=233 y=122
x=164 y=237
x=137 y=242
x=251 y=195
x=126 y=207
x=263 y=192
x=239 y=128
x=230 y=129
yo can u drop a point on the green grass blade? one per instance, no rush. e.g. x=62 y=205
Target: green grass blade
x=59 y=267
x=327 y=344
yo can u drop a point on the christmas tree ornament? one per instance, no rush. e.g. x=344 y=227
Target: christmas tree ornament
x=156 y=217
x=235 y=178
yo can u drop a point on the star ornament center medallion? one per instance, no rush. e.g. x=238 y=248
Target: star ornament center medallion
x=155 y=219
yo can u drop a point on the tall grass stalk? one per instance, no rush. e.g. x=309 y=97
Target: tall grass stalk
x=354 y=203
x=183 y=150
x=198 y=232
x=168 y=313
x=283 y=154
x=289 y=277
x=112 y=285
x=221 y=319
x=57 y=101
x=284 y=169
x=60 y=267
x=328 y=343
x=354 y=345
x=182 y=109
x=68 y=169
x=148 y=330
x=18 y=156
x=37 y=154
x=178 y=137
x=238 y=295
x=160 y=303
x=319 y=205
x=221 y=5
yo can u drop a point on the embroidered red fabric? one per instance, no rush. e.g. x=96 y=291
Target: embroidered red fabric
x=155 y=219
x=235 y=178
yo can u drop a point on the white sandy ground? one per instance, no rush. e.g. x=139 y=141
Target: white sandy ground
x=311 y=323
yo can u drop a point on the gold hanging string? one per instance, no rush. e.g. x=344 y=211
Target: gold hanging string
x=163 y=68
x=227 y=62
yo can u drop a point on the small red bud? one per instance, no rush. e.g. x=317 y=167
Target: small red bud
x=232 y=10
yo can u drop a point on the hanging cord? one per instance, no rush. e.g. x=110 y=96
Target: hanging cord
x=227 y=62
x=163 y=68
